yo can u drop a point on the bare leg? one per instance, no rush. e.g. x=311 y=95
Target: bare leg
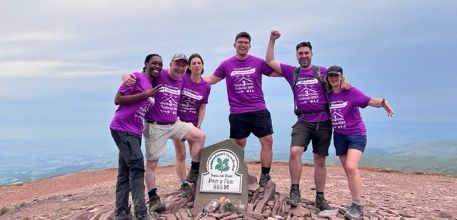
x=350 y=164
x=241 y=142
x=149 y=174
x=320 y=172
x=196 y=139
x=180 y=150
x=295 y=164
x=266 y=153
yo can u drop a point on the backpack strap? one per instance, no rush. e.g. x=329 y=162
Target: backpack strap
x=296 y=71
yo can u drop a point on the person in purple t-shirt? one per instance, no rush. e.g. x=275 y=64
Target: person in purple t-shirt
x=162 y=123
x=349 y=132
x=191 y=108
x=313 y=124
x=248 y=111
x=126 y=129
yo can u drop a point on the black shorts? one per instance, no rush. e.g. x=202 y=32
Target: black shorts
x=258 y=122
x=320 y=133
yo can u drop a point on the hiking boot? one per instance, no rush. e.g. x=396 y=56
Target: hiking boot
x=185 y=189
x=264 y=178
x=321 y=203
x=192 y=176
x=155 y=205
x=354 y=211
x=294 y=197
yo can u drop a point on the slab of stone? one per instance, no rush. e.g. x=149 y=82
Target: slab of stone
x=222 y=173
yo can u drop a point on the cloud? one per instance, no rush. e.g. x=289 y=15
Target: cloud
x=36 y=36
x=54 y=70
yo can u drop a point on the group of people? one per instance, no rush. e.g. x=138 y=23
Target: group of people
x=172 y=104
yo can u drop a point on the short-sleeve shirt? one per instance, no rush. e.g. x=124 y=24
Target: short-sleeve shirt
x=165 y=108
x=310 y=94
x=129 y=118
x=244 y=83
x=193 y=95
x=344 y=110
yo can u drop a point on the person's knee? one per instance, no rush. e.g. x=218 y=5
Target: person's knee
x=351 y=168
x=319 y=160
x=267 y=142
x=196 y=135
x=296 y=152
x=241 y=142
x=137 y=164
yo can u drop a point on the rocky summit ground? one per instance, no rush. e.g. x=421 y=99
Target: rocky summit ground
x=387 y=195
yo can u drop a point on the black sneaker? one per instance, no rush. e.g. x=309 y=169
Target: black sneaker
x=264 y=178
x=192 y=176
x=321 y=203
x=354 y=211
x=155 y=205
x=185 y=189
x=294 y=197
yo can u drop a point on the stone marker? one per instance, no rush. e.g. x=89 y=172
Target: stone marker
x=222 y=173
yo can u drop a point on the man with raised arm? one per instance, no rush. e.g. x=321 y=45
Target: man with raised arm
x=248 y=111
x=313 y=124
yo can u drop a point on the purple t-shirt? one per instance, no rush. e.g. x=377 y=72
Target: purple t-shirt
x=244 y=83
x=165 y=107
x=344 y=108
x=193 y=95
x=129 y=118
x=309 y=93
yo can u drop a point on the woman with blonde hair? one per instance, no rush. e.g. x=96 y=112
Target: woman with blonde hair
x=349 y=132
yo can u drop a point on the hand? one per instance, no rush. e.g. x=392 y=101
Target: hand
x=129 y=79
x=153 y=91
x=346 y=85
x=387 y=107
x=275 y=34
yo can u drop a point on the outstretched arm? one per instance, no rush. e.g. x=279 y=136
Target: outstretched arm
x=378 y=103
x=270 y=57
x=212 y=79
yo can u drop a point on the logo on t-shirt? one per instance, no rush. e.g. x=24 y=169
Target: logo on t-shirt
x=307 y=90
x=169 y=99
x=242 y=79
x=189 y=101
x=336 y=114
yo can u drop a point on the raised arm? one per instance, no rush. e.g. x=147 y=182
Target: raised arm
x=130 y=99
x=270 y=57
x=378 y=103
x=201 y=115
x=212 y=79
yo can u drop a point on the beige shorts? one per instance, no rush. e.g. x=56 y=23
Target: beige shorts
x=156 y=136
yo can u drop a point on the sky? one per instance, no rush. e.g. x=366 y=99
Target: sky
x=61 y=61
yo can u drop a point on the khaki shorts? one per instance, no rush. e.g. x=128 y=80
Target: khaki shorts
x=156 y=136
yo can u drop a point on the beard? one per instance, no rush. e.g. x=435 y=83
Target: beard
x=305 y=63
